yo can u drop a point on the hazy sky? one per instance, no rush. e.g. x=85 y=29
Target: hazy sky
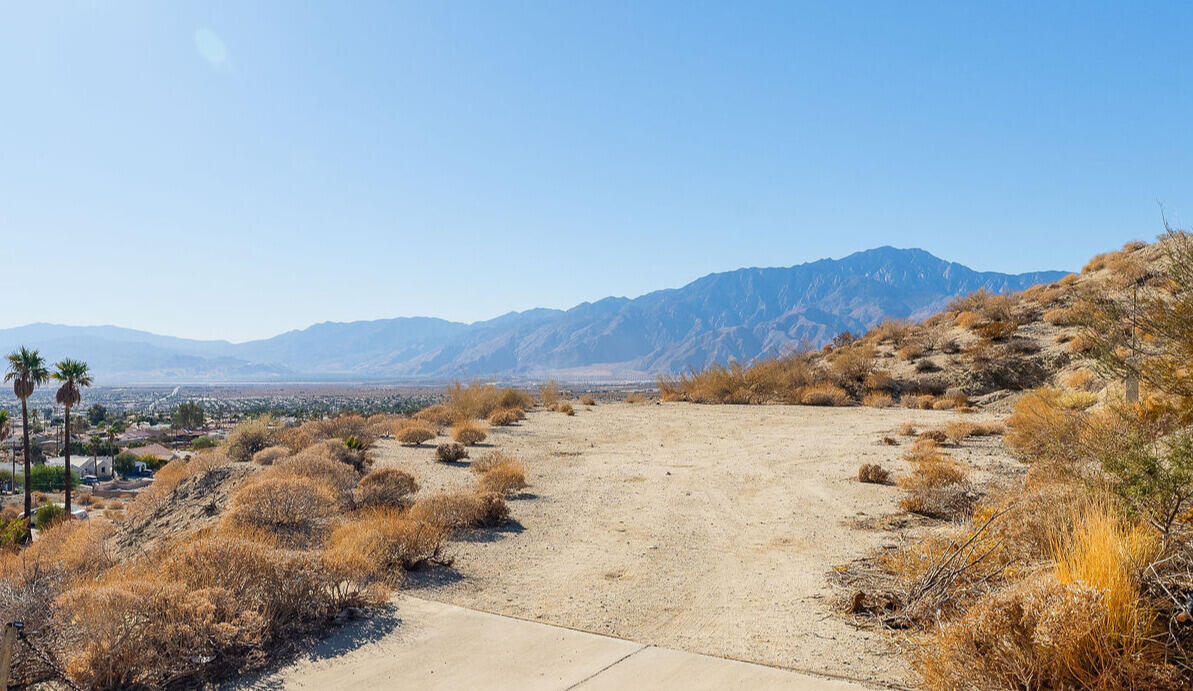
x=236 y=169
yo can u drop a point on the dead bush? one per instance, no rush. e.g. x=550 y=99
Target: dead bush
x=469 y=432
x=150 y=634
x=386 y=487
x=381 y=544
x=439 y=416
x=935 y=435
x=249 y=437
x=414 y=432
x=907 y=429
x=635 y=397
x=825 y=394
x=873 y=473
x=549 y=394
x=877 y=400
x=478 y=400
x=936 y=486
x=460 y=510
x=270 y=454
x=587 y=400
x=565 y=408
x=879 y=382
x=293 y=510
x=503 y=417
x=450 y=452
x=500 y=473
x=326 y=471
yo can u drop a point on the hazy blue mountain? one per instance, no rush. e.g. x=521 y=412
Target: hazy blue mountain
x=737 y=315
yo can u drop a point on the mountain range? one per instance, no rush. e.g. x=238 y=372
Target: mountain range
x=735 y=315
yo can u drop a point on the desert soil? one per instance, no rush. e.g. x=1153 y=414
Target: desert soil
x=708 y=529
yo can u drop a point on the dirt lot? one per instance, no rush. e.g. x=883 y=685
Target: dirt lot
x=703 y=528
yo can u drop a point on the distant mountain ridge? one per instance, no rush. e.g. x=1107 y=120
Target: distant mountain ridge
x=734 y=315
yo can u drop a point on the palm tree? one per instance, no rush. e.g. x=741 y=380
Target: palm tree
x=73 y=374
x=5 y=432
x=26 y=371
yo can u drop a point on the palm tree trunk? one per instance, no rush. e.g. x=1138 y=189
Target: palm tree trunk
x=66 y=467
x=28 y=472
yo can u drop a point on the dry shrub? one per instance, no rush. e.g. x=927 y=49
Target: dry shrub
x=1081 y=344
x=1082 y=380
x=500 y=473
x=478 y=400
x=934 y=435
x=450 y=452
x=382 y=543
x=892 y=330
x=877 y=400
x=249 y=437
x=565 y=408
x=386 y=487
x=890 y=441
x=1076 y=400
x=549 y=394
x=825 y=394
x=469 y=432
x=587 y=400
x=936 y=486
x=1041 y=429
x=460 y=510
x=115 y=505
x=40 y=498
x=439 y=416
x=290 y=589
x=1085 y=623
x=270 y=455
x=414 y=432
x=1060 y=316
x=311 y=464
x=873 y=473
x=149 y=634
x=637 y=397
x=503 y=417
x=292 y=510
x=879 y=382
x=921 y=402
x=909 y=352
x=169 y=476
x=968 y=319
x=907 y=429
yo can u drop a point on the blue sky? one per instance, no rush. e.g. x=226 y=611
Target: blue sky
x=233 y=170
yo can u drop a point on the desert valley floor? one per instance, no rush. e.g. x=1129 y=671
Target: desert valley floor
x=708 y=529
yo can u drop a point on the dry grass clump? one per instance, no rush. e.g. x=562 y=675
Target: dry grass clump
x=549 y=394
x=960 y=430
x=587 y=399
x=879 y=382
x=1077 y=400
x=1082 y=380
x=1085 y=622
x=478 y=400
x=890 y=331
x=386 y=487
x=461 y=510
x=909 y=352
x=414 y=432
x=565 y=408
x=877 y=400
x=873 y=473
x=270 y=455
x=293 y=510
x=825 y=394
x=503 y=417
x=500 y=473
x=450 y=452
x=249 y=437
x=935 y=436
x=439 y=416
x=469 y=432
x=636 y=397
x=936 y=486
x=313 y=464
x=382 y=543
x=907 y=429
x=920 y=402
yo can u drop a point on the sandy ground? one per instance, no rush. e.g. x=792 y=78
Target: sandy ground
x=707 y=529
